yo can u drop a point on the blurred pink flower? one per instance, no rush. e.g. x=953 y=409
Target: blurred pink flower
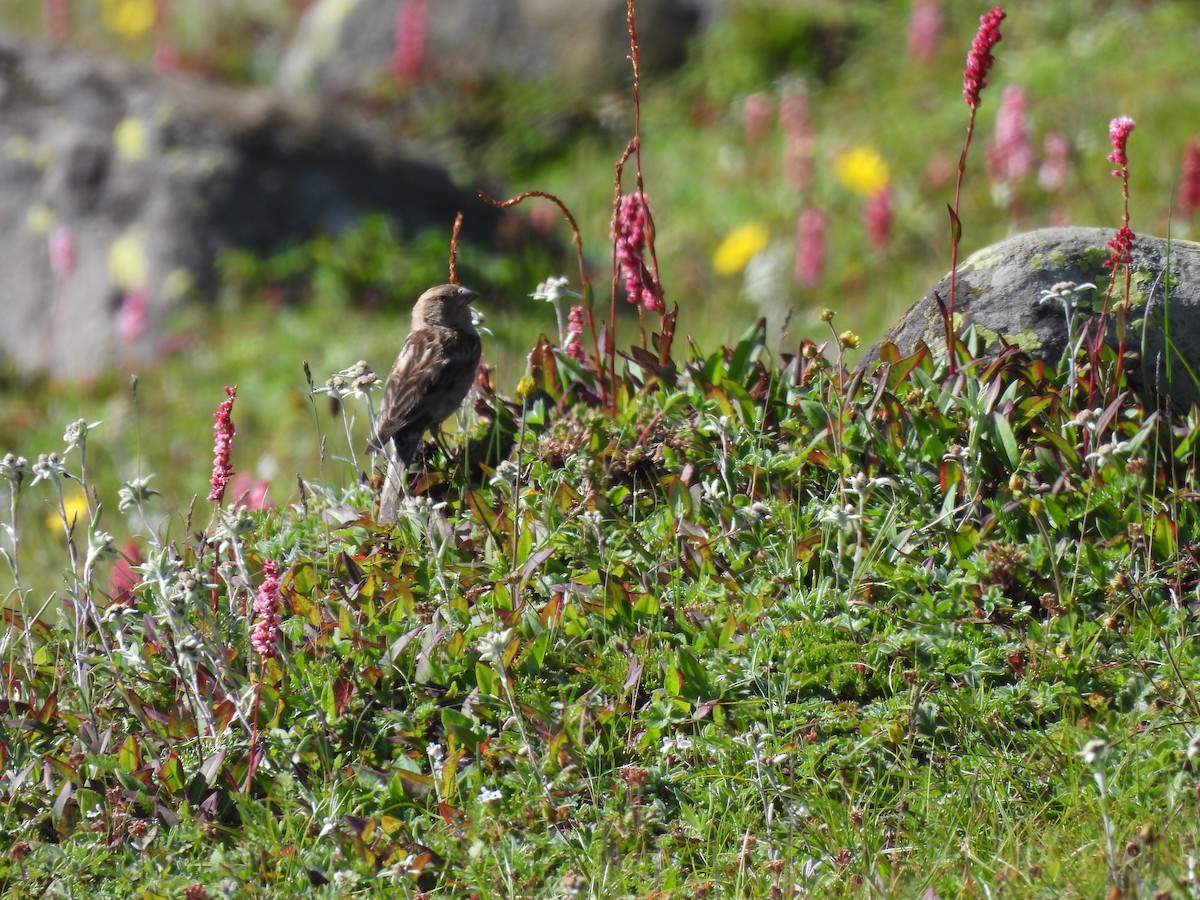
x=877 y=218
x=810 y=246
x=250 y=492
x=980 y=59
x=56 y=19
x=924 y=30
x=61 y=244
x=223 y=432
x=1010 y=155
x=265 y=638
x=166 y=56
x=408 y=51
x=122 y=579
x=1056 y=157
x=134 y=315
x=1189 y=181
x=757 y=111
x=799 y=139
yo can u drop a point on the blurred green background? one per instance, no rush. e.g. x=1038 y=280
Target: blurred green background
x=846 y=118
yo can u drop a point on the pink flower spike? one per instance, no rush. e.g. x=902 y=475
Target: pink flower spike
x=1010 y=156
x=757 y=112
x=924 y=30
x=576 y=319
x=1119 y=130
x=265 y=638
x=1056 y=150
x=629 y=247
x=223 y=433
x=62 y=252
x=1121 y=245
x=877 y=218
x=980 y=59
x=1189 y=181
x=412 y=32
x=810 y=246
x=134 y=315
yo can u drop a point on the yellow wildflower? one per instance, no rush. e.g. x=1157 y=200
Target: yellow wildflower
x=127 y=262
x=862 y=170
x=128 y=18
x=129 y=138
x=848 y=339
x=739 y=247
x=76 y=506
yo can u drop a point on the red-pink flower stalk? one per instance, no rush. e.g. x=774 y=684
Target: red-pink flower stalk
x=166 y=55
x=133 y=317
x=250 y=492
x=1119 y=130
x=412 y=33
x=757 y=112
x=924 y=30
x=223 y=432
x=877 y=218
x=61 y=246
x=123 y=578
x=265 y=637
x=1056 y=158
x=1189 y=182
x=629 y=247
x=810 y=246
x=799 y=139
x=1121 y=243
x=56 y=19
x=576 y=320
x=979 y=61
x=1010 y=155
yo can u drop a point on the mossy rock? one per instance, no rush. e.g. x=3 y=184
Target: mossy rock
x=1001 y=291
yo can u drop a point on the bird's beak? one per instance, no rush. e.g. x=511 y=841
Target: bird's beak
x=467 y=294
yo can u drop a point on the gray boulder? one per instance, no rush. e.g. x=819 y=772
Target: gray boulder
x=1001 y=290
x=121 y=185
x=346 y=46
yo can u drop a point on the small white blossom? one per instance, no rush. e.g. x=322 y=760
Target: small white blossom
x=354 y=381
x=1193 y=747
x=554 y=289
x=1093 y=751
x=711 y=490
x=492 y=646
x=76 y=433
x=843 y=517
x=675 y=745
x=135 y=492
x=486 y=795
x=1102 y=454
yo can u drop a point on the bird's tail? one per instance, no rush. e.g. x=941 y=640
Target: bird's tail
x=393 y=490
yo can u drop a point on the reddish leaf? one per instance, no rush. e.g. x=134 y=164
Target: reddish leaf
x=343 y=692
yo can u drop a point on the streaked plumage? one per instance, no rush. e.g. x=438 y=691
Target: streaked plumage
x=433 y=372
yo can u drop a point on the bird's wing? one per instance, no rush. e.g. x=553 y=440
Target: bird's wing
x=430 y=360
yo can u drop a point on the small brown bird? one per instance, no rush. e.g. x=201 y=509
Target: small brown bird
x=432 y=374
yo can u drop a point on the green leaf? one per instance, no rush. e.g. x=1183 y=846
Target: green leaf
x=1007 y=441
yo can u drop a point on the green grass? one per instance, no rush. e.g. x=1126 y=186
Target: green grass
x=756 y=628
x=753 y=627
